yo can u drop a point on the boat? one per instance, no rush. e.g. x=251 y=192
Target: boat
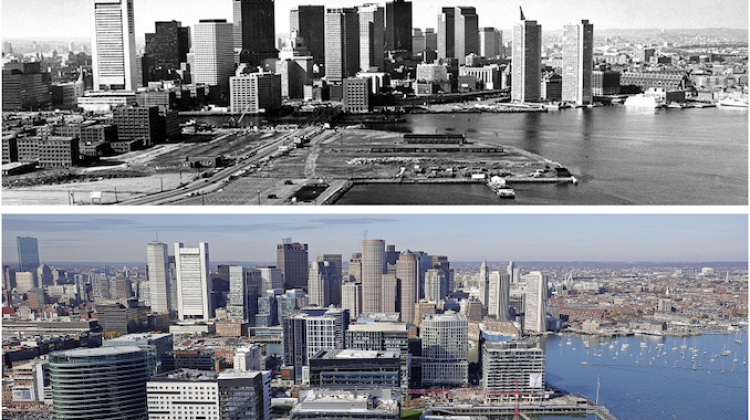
x=729 y=102
x=584 y=364
x=506 y=192
x=644 y=101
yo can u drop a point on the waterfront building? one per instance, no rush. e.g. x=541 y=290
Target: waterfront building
x=578 y=62
x=487 y=76
x=226 y=395
x=512 y=365
x=445 y=345
x=356 y=95
x=254 y=31
x=371 y=36
x=193 y=291
x=322 y=283
x=341 y=43
x=168 y=46
x=373 y=268
x=336 y=261
x=408 y=273
x=371 y=335
x=535 y=312
x=291 y=258
x=490 y=42
x=160 y=349
x=28 y=253
x=605 y=82
x=527 y=61
x=398 y=26
x=272 y=278
x=143 y=124
x=355 y=369
x=327 y=404
x=213 y=53
x=49 y=152
x=311 y=331
x=157 y=269
x=244 y=290
x=351 y=297
x=254 y=93
x=113 y=46
x=551 y=89
x=669 y=81
x=309 y=22
x=107 y=383
x=25 y=87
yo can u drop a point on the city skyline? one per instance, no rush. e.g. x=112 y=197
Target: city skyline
x=21 y=19
x=595 y=238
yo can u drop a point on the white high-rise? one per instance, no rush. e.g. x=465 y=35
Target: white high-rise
x=321 y=283
x=535 y=318
x=158 y=272
x=484 y=285
x=373 y=267
x=193 y=290
x=578 y=62
x=445 y=350
x=371 y=36
x=213 y=52
x=499 y=295
x=113 y=46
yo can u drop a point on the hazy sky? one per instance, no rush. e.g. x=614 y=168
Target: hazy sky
x=466 y=237
x=72 y=18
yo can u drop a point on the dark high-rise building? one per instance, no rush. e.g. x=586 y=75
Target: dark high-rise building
x=458 y=32
x=25 y=87
x=291 y=258
x=28 y=253
x=134 y=123
x=341 y=43
x=527 y=61
x=168 y=46
x=446 y=30
x=254 y=31
x=398 y=23
x=309 y=22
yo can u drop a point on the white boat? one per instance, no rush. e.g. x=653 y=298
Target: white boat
x=728 y=102
x=644 y=101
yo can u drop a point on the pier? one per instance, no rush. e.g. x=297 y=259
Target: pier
x=587 y=408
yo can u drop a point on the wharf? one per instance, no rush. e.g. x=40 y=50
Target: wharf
x=583 y=409
x=540 y=180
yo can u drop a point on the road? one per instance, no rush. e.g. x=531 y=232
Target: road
x=222 y=177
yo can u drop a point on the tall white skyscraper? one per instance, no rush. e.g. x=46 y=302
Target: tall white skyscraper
x=373 y=267
x=351 y=298
x=578 y=62
x=484 y=285
x=158 y=276
x=499 y=295
x=527 y=61
x=341 y=43
x=213 y=52
x=535 y=318
x=113 y=46
x=371 y=36
x=193 y=291
x=321 y=283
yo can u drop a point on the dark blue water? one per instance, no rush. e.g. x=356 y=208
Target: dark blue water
x=620 y=155
x=637 y=385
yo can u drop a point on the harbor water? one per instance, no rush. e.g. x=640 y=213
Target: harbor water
x=655 y=378
x=620 y=156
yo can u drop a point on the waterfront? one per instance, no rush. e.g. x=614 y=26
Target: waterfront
x=640 y=384
x=620 y=156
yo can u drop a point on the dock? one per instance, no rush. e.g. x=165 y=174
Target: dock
x=537 y=410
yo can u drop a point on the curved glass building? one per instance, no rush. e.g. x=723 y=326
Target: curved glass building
x=107 y=383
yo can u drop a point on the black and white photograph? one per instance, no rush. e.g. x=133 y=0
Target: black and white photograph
x=196 y=102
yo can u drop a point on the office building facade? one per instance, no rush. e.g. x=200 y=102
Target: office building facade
x=309 y=22
x=398 y=26
x=445 y=345
x=341 y=43
x=254 y=30
x=373 y=268
x=322 y=283
x=291 y=258
x=193 y=289
x=311 y=331
x=578 y=63
x=526 y=62
x=213 y=53
x=99 y=383
x=244 y=291
x=157 y=260
x=28 y=253
x=113 y=46
x=169 y=46
x=535 y=312
x=408 y=272
x=371 y=36
x=254 y=93
x=355 y=369
x=512 y=365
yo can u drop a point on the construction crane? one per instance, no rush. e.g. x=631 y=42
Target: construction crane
x=517 y=410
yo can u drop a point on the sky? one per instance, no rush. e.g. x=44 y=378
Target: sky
x=462 y=237
x=72 y=18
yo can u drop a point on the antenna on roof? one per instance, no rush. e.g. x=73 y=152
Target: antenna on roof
x=522 y=16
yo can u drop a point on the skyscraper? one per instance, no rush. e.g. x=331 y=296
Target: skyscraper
x=407 y=271
x=446 y=46
x=373 y=268
x=309 y=21
x=244 y=290
x=490 y=42
x=158 y=276
x=113 y=46
x=307 y=333
x=341 y=43
x=484 y=285
x=213 y=53
x=291 y=258
x=28 y=253
x=322 y=282
x=336 y=260
x=527 y=61
x=254 y=30
x=193 y=291
x=499 y=296
x=445 y=347
x=371 y=36
x=100 y=383
x=351 y=298
x=535 y=318
x=271 y=278
x=398 y=26
x=578 y=62
x=169 y=45
x=466 y=32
